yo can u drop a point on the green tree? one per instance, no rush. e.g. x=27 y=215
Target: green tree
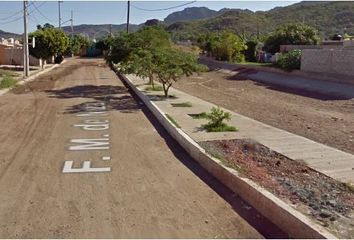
x=136 y=52
x=171 y=65
x=49 y=42
x=295 y=34
x=77 y=42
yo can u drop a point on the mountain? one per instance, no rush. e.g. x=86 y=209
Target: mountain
x=6 y=35
x=101 y=30
x=327 y=17
x=192 y=13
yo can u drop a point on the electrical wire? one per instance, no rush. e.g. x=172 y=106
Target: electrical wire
x=14 y=14
x=161 y=9
x=21 y=17
x=44 y=16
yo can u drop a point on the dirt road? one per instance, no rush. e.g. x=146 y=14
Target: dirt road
x=136 y=181
x=317 y=117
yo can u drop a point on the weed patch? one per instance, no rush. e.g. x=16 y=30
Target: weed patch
x=154 y=88
x=202 y=115
x=223 y=127
x=7 y=82
x=184 y=104
x=216 y=118
x=173 y=120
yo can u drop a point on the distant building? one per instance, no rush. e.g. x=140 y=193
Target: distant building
x=11 y=53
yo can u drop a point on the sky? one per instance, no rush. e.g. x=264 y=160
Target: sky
x=108 y=12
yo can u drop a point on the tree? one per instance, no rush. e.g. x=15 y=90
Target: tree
x=295 y=34
x=49 y=42
x=77 y=42
x=152 y=22
x=136 y=52
x=171 y=65
x=223 y=46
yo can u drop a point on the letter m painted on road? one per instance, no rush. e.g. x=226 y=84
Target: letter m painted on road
x=90 y=144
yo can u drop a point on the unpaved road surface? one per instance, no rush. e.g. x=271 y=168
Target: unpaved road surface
x=320 y=118
x=142 y=185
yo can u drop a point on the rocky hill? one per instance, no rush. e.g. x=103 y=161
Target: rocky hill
x=98 y=31
x=192 y=13
x=328 y=17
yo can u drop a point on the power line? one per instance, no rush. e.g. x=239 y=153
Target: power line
x=14 y=14
x=162 y=9
x=16 y=19
x=44 y=16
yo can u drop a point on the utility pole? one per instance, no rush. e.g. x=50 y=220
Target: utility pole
x=72 y=31
x=25 y=42
x=128 y=13
x=59 y=14
x=72 y=23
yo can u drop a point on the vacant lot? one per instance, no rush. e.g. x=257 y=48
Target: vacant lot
x=321 y=119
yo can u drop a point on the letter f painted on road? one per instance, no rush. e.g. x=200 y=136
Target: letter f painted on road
x=86 y=168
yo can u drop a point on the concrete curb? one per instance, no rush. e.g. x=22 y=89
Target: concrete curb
x=32 y=77
x=280 y=213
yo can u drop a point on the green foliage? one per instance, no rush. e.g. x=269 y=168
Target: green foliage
x=154 y=88
x=49 y=42
x=172 y=120
x=216 y=121
x=184 y=104
x=7 y=82
x=250 y=52
x=290 y=60
x=171 y=65
x=148 y=53
x=225 y=46
x=202 y=115
x=296 y=34
x=328 y=17
x=137 y=52
x=77 y=42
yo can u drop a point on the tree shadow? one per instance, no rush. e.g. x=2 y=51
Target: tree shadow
x=114 y=97
x=248 y=213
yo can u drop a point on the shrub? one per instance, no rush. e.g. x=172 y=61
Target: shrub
x=154 y=88
x=216 y=118
x=290 y=60
x=172 y=120
x=7 y=82
x=184 y=104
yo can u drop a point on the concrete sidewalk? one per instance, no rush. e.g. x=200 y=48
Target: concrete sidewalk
x=327 y=160
x=278 y=78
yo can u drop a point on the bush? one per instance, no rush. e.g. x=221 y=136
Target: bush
x=58 y=59
x=290 y=60
x=250 y=52
x=216 y=118
x=7 y=82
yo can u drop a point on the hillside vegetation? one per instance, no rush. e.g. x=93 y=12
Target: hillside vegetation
x=328 y=17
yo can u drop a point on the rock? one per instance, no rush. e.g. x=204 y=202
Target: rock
x=333 y=218
x=332 y=203
x=325 y=214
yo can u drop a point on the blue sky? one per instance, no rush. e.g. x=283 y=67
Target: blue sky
x=114 y=12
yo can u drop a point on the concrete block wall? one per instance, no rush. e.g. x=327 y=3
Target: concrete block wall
x=13 y=55
x=329 y=61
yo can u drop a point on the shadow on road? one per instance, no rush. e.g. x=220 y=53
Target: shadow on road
x=115 y=97
x=253 y=217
